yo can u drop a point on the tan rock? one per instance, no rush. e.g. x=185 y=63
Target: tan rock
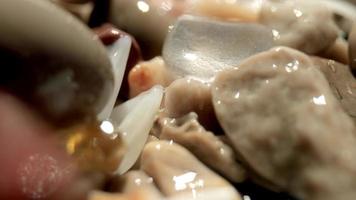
x=281 y=116
x=177 y=172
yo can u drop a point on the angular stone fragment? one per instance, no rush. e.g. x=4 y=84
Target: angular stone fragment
x=187 y=95
x=207 y=147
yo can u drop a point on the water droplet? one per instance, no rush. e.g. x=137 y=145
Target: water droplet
x=182 y=181
x=320 y=100
x=276 y=35
x=297 y=13
x=349 y=90
x=143 y=6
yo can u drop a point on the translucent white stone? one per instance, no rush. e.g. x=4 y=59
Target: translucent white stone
x=201 y=47
x=134 y=120
x=118 y=53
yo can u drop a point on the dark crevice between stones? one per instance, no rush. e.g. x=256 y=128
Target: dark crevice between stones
x=256 y=192
x=100 y=13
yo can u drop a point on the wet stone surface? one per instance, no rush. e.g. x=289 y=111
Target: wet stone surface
x=201 y=47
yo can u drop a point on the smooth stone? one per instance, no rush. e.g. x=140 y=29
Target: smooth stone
x=300 y=24
x=201 y=47
x=54 y=62
x=282 y=117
